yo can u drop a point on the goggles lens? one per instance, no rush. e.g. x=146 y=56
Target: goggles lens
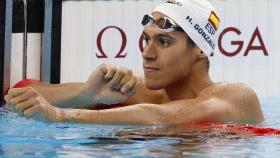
x=164 y=24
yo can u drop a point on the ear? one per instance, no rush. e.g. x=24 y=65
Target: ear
x=201 y=55
x=198 y=53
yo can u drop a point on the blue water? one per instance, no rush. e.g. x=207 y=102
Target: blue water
x=28 y=138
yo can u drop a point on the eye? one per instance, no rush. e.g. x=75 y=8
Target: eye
x=164 y=42
x=146 y=40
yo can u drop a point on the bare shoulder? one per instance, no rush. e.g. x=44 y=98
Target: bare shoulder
x=230 y=90
x=236 y=99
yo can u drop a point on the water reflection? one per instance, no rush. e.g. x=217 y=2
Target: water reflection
x=169 y=141
x=27 y=138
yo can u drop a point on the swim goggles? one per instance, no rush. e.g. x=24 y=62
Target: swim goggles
x=164 y=24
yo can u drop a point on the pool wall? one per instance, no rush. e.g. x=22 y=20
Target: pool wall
x=30 y=41
x=26 y=40
x=5 y=46
x=2 y=35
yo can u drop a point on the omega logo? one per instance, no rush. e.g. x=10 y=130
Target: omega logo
x=256 y=36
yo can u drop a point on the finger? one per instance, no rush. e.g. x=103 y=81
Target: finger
x=103 y=68
x=7 y=99
x=133 y=90
x=116 y=79
x=17 y=91
x=24 y=105
x=127 y=77
x=8 y=105
x=128 y=86
x=110 y=73
x=23 y=97
x=30 y=112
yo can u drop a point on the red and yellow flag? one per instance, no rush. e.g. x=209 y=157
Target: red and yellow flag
x=214 y=20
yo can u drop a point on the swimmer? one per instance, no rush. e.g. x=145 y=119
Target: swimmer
x=176 y=88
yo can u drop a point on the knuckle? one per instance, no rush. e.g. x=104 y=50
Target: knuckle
x=112 y=71
x=102 y=68
x=17 y=107
x=13 y=101
x=39 y=106
x=125 y=87
x=36 y=100
x=123 y=81
x=6 y=98
x=135 y=80
x=29 y=89
x=132 y=80
x=27 y=114
x=103 y=65
x=127 y=75
x=129 y=72
x=121 y=71
x=30 y=92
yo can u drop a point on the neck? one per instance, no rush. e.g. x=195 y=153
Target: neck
x=190 y=86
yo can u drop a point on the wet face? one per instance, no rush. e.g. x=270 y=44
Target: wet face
x=166 y=56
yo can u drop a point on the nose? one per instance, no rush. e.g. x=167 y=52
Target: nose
x=150 y=52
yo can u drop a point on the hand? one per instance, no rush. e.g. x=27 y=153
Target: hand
x=110 y=84
x=29 y=103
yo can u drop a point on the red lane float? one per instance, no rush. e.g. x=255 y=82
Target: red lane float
x=25 y=82
x=260 y=131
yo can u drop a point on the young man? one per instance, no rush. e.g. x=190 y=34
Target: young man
x=176 y=88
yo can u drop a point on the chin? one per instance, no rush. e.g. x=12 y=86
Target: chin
x=153 y=85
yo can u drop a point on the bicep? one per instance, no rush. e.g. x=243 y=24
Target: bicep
x=194 y=110
x=176 y=112
x=200 y=110
x=218 y=110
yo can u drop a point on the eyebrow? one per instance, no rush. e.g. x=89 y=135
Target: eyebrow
x=159 y=35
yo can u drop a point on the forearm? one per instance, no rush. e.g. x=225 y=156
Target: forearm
x=69 y=95
x=131 y=115
x=176 y=112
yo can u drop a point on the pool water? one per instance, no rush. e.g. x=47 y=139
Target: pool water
x=28 y=138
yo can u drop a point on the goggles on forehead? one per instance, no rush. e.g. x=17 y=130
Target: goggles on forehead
x=164 y=24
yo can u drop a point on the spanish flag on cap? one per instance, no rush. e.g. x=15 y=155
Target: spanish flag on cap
x=214 y=20
x=185 y=12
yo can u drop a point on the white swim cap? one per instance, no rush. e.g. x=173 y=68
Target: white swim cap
x=197 y=18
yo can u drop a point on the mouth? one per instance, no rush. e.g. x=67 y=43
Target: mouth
x=148 y=68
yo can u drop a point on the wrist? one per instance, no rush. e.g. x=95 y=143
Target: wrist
x=87 y=96
x=58 y=115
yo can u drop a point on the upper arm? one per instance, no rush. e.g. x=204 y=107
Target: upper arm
x=210 y=109
x=234 y=102
x=182 y=111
